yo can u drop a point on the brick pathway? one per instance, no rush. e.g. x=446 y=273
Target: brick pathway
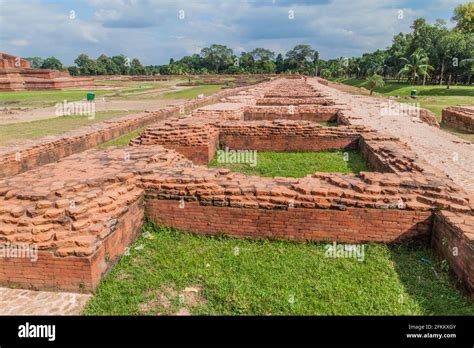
x=28 y=302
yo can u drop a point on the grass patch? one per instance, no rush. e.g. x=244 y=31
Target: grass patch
x=394 y=88
x=328 y=123
x=44 y=98
x=15 y=132
x=193 y=92
x=122 y=140
x=243 y=277
x=298 y=164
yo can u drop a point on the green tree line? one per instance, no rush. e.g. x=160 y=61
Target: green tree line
x=430 y=53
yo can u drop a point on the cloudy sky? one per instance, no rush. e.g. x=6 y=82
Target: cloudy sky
x=155 y=30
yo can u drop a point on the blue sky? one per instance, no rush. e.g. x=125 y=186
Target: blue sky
x=153 y=31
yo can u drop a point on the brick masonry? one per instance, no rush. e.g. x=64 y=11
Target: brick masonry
x=351 y=225
x=452 y=240
x=19 y=158
x=460 y=117
x=402 y=199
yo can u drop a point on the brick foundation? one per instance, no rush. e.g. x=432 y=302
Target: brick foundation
x=284 y=143
x=350 y=226
x=460 y=117
x=74 y=273
x=451 y=242
x=393 y=204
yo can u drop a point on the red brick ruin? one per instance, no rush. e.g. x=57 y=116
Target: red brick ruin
x=460 y=117
x=82 y=207
x=16 y=74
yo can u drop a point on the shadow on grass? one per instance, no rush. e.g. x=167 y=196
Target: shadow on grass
x=427 y=282
x=452 y=92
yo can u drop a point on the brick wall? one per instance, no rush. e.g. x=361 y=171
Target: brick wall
x=303 y=113
x=287 y=143
x=72 y=273
x=300 y=224
x=459 y=117
x=452 y=239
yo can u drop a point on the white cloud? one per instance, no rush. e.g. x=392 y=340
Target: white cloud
x=152 y=31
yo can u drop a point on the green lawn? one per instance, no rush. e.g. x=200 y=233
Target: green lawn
x=193 y=92
x=328 y=123
x=298 y=164
x=44 y=98
x=167 y=271
x=15 y=132
x=395 y=88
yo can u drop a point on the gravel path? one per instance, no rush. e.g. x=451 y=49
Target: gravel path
x=445 y=151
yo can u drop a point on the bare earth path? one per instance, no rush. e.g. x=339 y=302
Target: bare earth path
x=445 y=151
x=28 y=302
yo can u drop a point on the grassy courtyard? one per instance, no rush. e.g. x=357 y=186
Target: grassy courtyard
x=298 y=164
x=193 y=92
x=169 y=272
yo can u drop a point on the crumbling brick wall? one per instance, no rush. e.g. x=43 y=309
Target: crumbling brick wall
x=460 y=117
x=453 y=240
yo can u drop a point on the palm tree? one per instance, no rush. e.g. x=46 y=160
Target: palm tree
x=416 y=66
x=374 y=81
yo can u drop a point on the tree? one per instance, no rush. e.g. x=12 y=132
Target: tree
x=262 y=54
x=299 y=57
x=416 y=66
x=452 y=48
x=374 y=81
x=280 y=64
x=217 y=57
x=52 y=63
x=86 y=65
x=136 y=68
x=469 y=64
x=325 y=73
x=107 y=66
x=123 y=64
x=36 y=62
x=247 y=62
x=73 y=70
x=464 y=17
x=316 y=62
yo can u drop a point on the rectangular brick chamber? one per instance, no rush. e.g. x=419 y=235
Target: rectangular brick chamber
x=287 y=143
x=345 y=208
x=74 y=273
